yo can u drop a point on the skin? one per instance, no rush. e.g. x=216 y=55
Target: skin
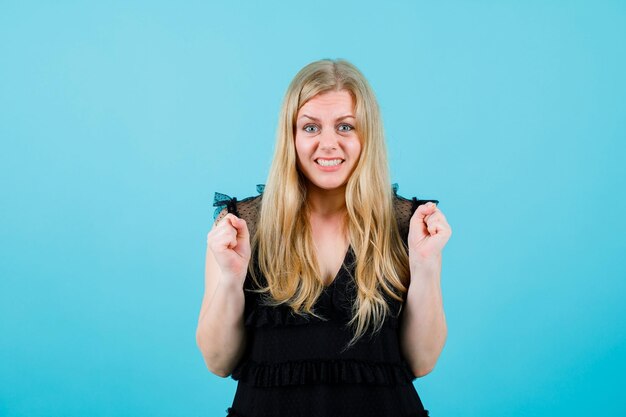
x=221 y=335
x=323 y=131
x=330 y=136
x=423 y=329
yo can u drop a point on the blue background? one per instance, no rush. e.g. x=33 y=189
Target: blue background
x=118 y=123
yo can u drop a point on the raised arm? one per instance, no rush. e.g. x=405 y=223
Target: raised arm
x=424 y=330
x=220 y=334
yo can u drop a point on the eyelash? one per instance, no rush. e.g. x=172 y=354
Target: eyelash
x=343 y=124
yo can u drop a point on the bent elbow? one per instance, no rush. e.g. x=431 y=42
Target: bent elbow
x=420 y=372
x=219 y=372
x=214 y=370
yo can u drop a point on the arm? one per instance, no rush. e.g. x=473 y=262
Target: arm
x=220 y=334
x=423 y=329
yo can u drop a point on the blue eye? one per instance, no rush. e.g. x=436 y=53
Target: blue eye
x=347 y=125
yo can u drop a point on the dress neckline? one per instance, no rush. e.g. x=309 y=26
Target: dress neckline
x=343 y=266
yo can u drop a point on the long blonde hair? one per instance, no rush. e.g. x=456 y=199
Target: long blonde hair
x=283 y=237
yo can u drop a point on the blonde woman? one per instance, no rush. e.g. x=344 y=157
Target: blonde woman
x=322 y=293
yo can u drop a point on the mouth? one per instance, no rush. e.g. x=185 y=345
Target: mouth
x=329 y=162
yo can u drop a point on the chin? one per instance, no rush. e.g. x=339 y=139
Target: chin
x=329 y=185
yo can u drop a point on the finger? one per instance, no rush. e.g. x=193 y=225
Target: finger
x=223 y=237
x=435 y=216
x=230 y=221
x=232 y=239
x=427 y=207
x=439 y=227
x=424 y=210
x=241 y=227
x=434 y=228
x=228 y=218
x=224 y=220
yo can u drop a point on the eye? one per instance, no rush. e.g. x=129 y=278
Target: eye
x=350 y=127
x=308 y=126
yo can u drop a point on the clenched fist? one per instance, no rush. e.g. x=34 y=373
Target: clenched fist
x=429 y=232
x=229 y=241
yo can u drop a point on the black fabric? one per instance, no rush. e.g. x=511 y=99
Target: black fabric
x=297 y=366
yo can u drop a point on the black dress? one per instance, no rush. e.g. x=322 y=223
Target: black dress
x=295 y=366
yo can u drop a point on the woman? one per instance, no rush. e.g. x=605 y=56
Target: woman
x=323 y=292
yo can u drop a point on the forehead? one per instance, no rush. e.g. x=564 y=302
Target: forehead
x=329 y=105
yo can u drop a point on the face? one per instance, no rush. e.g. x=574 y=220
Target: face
x=327 y=143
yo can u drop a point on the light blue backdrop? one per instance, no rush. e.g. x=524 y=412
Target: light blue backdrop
x=118 y=122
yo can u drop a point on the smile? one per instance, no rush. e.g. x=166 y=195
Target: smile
x=328 y=162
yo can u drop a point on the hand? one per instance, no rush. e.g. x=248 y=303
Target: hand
x=428 y=234
x=229 y=241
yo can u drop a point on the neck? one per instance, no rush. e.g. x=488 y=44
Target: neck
x=326 y=203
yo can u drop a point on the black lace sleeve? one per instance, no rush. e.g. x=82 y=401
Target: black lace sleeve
x=247 y=209
x=405 y=208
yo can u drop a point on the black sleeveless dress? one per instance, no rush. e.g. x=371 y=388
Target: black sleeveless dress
x=296 y=366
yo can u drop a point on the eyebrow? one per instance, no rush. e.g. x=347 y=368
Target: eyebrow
x=317 y=120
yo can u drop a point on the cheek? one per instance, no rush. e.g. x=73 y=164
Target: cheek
x=355 y=148
x=301 y=149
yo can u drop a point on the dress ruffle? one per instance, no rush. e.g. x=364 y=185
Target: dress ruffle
x=232 y=413
x=323 y=371
x=425 y=413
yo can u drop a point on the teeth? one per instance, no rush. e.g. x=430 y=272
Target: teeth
x=329 y=163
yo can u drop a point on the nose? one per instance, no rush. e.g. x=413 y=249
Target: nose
x=328 y=141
